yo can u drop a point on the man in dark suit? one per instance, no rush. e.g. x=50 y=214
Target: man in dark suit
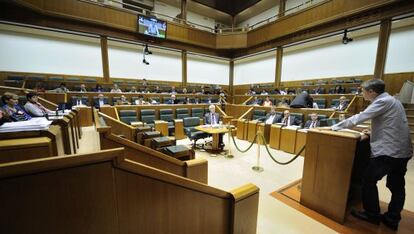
x=313 y=122
x=100 y=101
x=302 y=100
x=342 y=105
x=272 y=117
x=211 y=118
x=289 y=120
x=319 y=90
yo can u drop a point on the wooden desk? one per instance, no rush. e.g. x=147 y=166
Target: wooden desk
x=242 y=129
x=68 y=141
x=300 y=141
x=85 y=115
x=251 y=130
x=288 y=139
x=215 y=132
x=274 y=141
x=20 y=149
x=332 y=159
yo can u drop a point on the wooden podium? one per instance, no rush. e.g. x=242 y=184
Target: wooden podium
x=332 y=169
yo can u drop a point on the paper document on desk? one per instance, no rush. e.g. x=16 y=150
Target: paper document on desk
x=211 y=126
x=34 y=124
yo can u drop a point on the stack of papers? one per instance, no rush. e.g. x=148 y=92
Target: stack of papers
x=34 y=124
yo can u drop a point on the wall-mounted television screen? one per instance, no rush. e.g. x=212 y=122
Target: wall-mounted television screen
x=152 y=26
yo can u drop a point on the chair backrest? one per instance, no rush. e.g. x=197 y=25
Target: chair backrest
x=181 y=100
x=133 y=99
x=148 y=116
x=73 y=79
x=166 y=115
x=15 y=77
x=299 y=116
x=197 y=112
x=166 y=100
x=115 y=99
x=128 y=116
x=257 y=114
x=96 y=102
x=191 y=122
x=56 y=78
x=182 y=113
x=319 y=117
x=321 y=103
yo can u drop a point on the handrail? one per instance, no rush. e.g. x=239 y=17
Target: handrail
x=352 y=102
x=221 y=111
x=245 y=102
x=140 y=10
x=245 y=113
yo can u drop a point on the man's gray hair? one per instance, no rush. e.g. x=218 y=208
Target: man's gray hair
x=375 y=85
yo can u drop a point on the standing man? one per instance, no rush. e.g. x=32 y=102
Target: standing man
x=391 y=148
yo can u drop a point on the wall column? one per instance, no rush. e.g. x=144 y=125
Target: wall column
x=278 y=73
x=105 y=60
x=231 y=77
x=184 y=9
x=184 y=67
x=384 y=36
x=282 y=8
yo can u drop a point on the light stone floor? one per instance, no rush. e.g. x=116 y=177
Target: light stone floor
x=274 y=216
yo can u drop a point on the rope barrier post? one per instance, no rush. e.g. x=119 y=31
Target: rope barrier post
x=258 y=168
x=229 y=154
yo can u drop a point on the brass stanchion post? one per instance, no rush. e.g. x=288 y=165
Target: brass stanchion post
x=229 y=154
x=258 y=168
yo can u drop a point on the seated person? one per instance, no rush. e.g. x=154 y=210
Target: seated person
x=173 y=100
x=255 y=102
x=83 y=88
x=319 y=90
x=272 y=117
x=61 y=89
x=4 y=117
x=303 y=100
x=289 y=120
x=251 y=92
x=264 y=92
x=13 y=110
x=338 y=90
x=157 y=89
x=173 y=90
x=123 y=101
x=267 y=102
x=284 y=103
x=34 y=108
x=342 y=105
x=211 y=118
x=101 y=101
x=116 y=89
x=185 y=90
x=98 y=88
x=313 y=122
x=133 y=90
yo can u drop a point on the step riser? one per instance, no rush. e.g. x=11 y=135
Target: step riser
x=411 y=127
x=409 y=112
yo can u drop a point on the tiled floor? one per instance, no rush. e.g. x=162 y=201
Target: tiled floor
x=274 y=216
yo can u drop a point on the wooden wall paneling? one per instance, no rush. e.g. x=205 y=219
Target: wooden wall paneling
x=231 y=41
x=282 y=8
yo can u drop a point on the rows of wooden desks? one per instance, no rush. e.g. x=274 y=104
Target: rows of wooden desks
x=289 y=139
x=62 y=137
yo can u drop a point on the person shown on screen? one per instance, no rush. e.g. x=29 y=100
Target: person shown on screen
x=391 y=149
x=152 y=29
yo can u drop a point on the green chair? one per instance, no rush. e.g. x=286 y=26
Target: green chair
x=148 y=117
x=182 y=113
x=128 y=116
